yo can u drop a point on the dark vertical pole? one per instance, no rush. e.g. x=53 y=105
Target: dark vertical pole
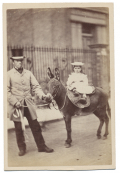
x=51 y=59
x=24 y=52
x=47 y=60
x=27 y=57
x=35 y=62
x=8 y=61
x=32 y=59
x=41 y=62
x=38 y=63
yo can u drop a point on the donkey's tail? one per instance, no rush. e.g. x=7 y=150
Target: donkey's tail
x=108 y=109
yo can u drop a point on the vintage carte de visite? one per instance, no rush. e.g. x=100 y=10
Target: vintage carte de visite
x=59 y=86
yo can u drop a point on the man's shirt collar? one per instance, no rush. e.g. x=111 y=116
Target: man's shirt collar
x=20 y=72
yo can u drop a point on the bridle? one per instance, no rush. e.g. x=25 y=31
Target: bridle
x=57 y=89
x=56 y=93
x=62 y=106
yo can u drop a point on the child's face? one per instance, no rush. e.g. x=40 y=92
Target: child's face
x=77 y=69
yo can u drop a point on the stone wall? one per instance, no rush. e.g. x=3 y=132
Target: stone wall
x=19 y=24
x=40 y=27
x=54 y=27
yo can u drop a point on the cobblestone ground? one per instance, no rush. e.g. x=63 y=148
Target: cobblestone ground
x=86 y=149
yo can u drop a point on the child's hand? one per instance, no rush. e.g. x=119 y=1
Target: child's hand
x=74 y=89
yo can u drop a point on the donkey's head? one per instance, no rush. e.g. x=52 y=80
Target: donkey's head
x=54 y=84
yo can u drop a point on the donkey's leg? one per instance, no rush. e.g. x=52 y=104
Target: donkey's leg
x=97 y=113
x=100 y=128
x=67 y=119
x=106 y=119
x=102 y=115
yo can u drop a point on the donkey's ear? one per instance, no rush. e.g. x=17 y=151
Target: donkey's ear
x=57 y=74
x=50 y=73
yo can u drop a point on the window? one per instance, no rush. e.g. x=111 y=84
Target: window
x=87 y=28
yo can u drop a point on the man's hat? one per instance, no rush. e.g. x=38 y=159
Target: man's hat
x=17 y=54
x=77 y=63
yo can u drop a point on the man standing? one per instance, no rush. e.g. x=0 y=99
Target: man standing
x=20 y=83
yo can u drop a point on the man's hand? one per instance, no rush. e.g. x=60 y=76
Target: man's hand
x=48 y=98
x=18 y=105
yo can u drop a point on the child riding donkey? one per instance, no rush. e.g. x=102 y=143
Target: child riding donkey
x=78 y=82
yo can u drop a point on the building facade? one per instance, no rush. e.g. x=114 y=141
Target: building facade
x=77 y=29
x=58 y=27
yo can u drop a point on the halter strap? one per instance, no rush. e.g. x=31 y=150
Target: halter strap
x=64 y=99
x=63 y=104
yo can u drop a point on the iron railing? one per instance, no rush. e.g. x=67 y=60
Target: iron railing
x=38 y=59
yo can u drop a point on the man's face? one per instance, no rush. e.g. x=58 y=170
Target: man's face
x=18 y=63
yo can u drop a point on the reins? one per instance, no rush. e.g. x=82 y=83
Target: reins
x=37 y=105
x=64 y=102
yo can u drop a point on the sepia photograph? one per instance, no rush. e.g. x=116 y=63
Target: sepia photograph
x=59 y=86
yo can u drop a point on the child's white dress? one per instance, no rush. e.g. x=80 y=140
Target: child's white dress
x=80 y=82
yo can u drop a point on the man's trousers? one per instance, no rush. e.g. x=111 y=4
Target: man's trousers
x=35 y=128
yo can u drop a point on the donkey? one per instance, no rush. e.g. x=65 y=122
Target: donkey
x=98 y=105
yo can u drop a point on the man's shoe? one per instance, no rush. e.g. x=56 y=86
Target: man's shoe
x=22 y=152
x=45 y=149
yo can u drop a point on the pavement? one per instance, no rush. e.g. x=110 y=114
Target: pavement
x=86 y=149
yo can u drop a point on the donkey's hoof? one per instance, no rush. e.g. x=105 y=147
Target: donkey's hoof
x=104 y=137
x=99 y=137
x=67 y=145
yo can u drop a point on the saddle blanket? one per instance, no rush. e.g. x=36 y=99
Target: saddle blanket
x=76 y=99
